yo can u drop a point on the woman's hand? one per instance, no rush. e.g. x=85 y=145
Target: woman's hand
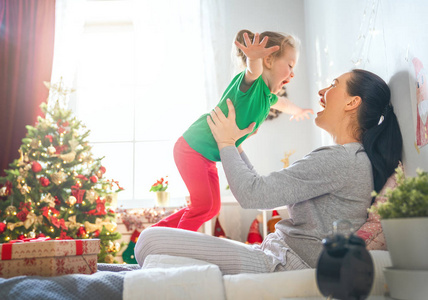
x=225 y=130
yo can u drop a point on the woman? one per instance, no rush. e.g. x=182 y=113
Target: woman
x=328 y=184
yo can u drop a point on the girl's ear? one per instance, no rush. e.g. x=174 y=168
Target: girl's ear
x=353 y=103
x=268 y=61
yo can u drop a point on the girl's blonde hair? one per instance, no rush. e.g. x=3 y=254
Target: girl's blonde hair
x=275 y=39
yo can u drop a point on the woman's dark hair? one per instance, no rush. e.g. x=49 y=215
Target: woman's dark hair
x=379 y=129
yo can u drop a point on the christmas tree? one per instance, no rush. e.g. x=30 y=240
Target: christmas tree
x=56 y=188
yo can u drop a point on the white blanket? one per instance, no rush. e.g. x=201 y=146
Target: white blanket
x=170 y=277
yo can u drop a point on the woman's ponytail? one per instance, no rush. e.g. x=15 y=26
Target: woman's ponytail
x=380 y=131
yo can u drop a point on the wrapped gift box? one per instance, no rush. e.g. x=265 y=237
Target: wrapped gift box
x=49 y=257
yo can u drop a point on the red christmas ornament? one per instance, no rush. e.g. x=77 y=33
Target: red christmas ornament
x=36 y=167
x=81 y=231
x=60 y=149
x=22 y=215
x=102 y=169
x=101 y=209
x=83 y=177
x=44 y=181
x=78 y=194
x=63 y=236
x=49 y=137
x=93 y=178
x=96 y=233
x=2 y=227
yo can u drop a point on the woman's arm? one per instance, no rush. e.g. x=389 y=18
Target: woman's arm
x=319 y=173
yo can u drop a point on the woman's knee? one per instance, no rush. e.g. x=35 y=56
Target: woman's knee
x=145 y=240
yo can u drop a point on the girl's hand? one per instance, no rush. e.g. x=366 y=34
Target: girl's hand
x=302 y=114
x=256 y=49
x=225 y=130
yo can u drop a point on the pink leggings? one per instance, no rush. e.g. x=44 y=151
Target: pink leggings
x=201 y=178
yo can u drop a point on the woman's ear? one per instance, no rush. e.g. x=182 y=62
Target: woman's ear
x=353 y=103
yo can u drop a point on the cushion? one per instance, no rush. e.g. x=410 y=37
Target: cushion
x=371 y=231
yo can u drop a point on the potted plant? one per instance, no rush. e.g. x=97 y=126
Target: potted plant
x=404 y=219
x=160 y=187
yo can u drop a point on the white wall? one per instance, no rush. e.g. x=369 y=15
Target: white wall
x=339 y=32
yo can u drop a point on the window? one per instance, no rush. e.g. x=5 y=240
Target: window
x=139 y=85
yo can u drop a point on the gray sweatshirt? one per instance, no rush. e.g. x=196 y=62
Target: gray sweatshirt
x=329 y=184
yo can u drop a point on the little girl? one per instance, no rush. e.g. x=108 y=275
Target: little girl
x=269 y=66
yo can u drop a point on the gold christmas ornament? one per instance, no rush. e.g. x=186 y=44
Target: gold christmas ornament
x=109 y=259
x=58 y=177
x=49 y=199
x=72 y=222
x=51 y=150
x=73 y=144
x=10 y=210
x=3 y=192
x=117 y=246
x=32 y=235
x=32 y=218
x=25 y=189
x=110 y=226
x=91 y=196
x=69 y=157
x=12 y=226
x=72 y=200
x=44 y=124
x=34 y=143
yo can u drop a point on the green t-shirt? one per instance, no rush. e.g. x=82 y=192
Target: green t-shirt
x=251 y=106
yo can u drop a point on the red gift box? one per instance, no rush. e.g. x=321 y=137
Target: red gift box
x=45 y=257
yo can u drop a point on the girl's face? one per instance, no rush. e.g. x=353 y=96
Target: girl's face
x=333 y=101
x=279 y=71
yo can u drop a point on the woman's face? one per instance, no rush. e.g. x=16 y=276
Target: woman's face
x=282 y=70
x=333 y=102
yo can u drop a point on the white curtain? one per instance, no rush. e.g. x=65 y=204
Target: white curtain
x=213 y=32
x=69 y=22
